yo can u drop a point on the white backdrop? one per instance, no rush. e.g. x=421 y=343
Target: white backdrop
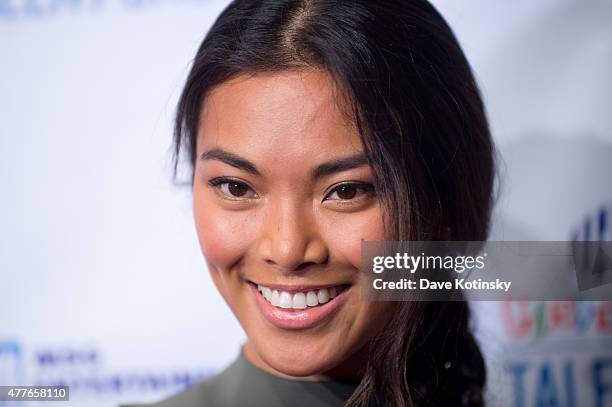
x=102 y=284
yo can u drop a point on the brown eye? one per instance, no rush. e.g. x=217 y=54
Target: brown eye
x=237 y=189
x=346 y=191
x=349 y=191
x=232 y=188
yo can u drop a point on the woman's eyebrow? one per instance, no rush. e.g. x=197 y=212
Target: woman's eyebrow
x=339 y=165
x=230 y=159
x=320 y=171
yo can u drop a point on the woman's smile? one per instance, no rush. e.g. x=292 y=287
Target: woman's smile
x=299 y=307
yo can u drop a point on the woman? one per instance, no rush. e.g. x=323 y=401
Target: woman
x=312 y=125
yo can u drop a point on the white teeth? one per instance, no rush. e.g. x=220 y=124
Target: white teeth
x=275 y=298
x=323 y=295
x=285 y=300
x=299 y=301
x=311 y=299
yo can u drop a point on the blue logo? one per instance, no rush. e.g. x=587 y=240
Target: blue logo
x=11 y=364
x=595 y=226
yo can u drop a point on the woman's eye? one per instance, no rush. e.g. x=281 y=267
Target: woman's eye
x=349 y=191
x=233 y=188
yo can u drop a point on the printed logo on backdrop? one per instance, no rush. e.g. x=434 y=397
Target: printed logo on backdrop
x=533 y=319
x=83 y=370
x=37 y=9
x=596 y=260
x=595 y=226
x=560 y=352
x=529 y=320
x=11 y=362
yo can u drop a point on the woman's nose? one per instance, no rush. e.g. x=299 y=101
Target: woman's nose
x=290 y=239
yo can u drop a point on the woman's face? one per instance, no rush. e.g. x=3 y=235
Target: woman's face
x=282 y=199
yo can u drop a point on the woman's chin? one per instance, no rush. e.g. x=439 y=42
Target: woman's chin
x=300 y=368
x=299 y=364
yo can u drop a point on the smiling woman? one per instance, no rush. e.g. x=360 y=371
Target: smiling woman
x=283 y=196
x=312 y=126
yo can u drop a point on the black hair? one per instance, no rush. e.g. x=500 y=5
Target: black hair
x=419 y=113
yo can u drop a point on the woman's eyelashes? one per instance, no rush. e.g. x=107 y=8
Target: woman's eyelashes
x=350 y=191
x=346 y=193
x=233 y=189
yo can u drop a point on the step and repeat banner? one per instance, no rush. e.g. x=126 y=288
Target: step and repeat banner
x=102 y=284
x=547 y=88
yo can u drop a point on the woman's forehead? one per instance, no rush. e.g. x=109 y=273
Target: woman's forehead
x=287 y=112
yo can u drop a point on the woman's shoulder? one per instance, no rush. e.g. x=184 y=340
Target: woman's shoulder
x=206 y=393
x=195 y=396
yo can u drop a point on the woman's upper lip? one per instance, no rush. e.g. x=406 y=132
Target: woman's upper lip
x=299 y=287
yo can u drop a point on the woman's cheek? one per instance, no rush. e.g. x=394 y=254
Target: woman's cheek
x=346 y=233
x=223 y=236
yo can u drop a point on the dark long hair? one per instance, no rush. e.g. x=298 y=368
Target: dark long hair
x=413 y=97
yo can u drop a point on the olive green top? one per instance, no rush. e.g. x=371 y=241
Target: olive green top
x=243 y=384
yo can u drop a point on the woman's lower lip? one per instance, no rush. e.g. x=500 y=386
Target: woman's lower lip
x=297 y=319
